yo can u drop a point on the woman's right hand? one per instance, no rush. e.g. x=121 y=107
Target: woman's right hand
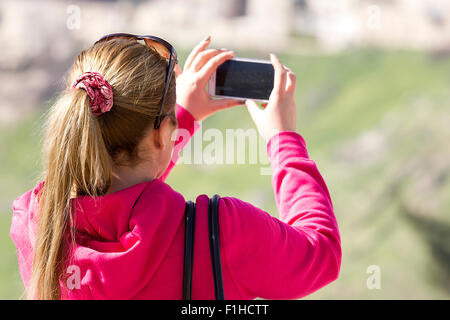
x=281 y=111
x=191 y=82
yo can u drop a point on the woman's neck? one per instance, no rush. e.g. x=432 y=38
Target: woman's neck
x=124 y=176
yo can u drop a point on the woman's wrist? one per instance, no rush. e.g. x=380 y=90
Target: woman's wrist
x=186 y=120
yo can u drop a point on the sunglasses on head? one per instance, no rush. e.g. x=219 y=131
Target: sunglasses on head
x=165 y=49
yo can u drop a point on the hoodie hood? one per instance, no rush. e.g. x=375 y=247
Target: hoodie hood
x=127 y=232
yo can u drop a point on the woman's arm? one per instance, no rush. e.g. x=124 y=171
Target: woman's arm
x=193 y=101
x=295 y=255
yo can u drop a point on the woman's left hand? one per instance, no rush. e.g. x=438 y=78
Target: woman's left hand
x=200 y=65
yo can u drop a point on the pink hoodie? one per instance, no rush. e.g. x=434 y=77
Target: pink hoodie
x=130 y=243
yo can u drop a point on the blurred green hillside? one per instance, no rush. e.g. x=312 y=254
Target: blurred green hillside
x=378 y=126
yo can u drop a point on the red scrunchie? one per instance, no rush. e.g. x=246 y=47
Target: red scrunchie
x=98 y=89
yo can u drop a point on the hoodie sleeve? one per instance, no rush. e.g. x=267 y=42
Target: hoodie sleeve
x=295 y=255
x=187 y=126
x=23 y=231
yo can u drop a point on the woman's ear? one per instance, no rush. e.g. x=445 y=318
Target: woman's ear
x=163 y=135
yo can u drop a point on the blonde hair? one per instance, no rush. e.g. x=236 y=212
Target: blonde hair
x=80 y=149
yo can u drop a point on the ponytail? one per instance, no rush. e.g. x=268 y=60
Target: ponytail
x=78 y=163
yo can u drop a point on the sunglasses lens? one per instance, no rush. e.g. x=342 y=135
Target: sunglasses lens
x=160 y=48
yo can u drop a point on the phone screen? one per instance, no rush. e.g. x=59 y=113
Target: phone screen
x=244 y=79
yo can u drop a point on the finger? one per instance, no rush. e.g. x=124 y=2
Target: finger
x=221 y=104
x=291 y=82
x=287 y=69
x=211 y=66
x=177 y=70
x=253 y=109
x=197 y=49
x=279 y=83
x=203 y=57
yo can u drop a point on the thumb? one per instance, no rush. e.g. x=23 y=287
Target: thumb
x=253 y=109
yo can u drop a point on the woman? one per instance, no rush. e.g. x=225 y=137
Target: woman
x=102 y=224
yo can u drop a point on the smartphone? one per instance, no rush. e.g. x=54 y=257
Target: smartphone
x=241 y=78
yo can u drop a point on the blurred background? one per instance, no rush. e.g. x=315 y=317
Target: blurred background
x=373 y=96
